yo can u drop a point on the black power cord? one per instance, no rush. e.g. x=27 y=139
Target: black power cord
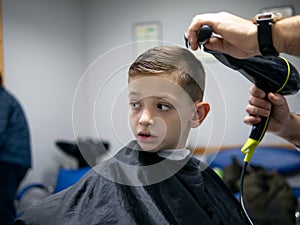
x=243 y=173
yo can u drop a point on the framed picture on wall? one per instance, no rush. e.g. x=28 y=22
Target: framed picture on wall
x=146 y=35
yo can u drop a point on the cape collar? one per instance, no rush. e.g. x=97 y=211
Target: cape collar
x=174 y=154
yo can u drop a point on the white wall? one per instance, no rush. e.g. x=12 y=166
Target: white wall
x=43 y=49
x=109 y=27
x=51 y=46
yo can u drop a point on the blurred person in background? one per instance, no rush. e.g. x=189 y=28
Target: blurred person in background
x=15 y=152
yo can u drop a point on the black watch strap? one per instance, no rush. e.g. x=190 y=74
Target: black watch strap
x=264 y=24
x=265 y=41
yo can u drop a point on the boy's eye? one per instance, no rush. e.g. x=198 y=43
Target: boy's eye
x=134 y=105
x=163 y=107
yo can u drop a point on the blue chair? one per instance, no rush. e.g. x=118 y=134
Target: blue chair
x=68 y=177
x=65 y=179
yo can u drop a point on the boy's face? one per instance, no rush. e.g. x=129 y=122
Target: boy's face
x=161 y=113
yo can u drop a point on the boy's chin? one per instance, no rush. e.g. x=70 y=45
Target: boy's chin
x=149 y=147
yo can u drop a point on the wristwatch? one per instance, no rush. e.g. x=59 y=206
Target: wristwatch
x=264 y=24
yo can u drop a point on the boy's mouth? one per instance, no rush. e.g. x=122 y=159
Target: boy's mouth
x=145 y=136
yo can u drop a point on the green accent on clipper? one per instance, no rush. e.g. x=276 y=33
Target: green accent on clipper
x=249 y=148
x=287 y=76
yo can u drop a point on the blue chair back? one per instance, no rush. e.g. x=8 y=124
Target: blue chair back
x=285 y=161
x=68 y=177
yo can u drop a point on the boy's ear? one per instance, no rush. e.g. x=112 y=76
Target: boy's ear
x=202 y=109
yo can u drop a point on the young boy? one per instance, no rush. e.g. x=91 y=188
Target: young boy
x=154 y=179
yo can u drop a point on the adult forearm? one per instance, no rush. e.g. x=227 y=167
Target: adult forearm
x=291 y=132
x=286 y=35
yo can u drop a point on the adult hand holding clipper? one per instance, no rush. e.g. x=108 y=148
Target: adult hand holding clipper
x=239 y=38
x=270 y=73
x=282 y=122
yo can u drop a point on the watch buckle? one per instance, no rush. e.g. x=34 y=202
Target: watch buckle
x=268 y=16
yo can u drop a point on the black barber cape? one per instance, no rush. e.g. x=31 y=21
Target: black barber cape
x=138 y=187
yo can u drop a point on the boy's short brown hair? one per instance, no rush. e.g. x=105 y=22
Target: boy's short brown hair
x=175 y=63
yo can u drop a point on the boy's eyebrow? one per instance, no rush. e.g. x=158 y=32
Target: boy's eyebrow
x=163 y=96
x=134 y=94
x=167 y=97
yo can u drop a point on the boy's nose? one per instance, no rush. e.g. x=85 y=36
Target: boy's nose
x=146 y=118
